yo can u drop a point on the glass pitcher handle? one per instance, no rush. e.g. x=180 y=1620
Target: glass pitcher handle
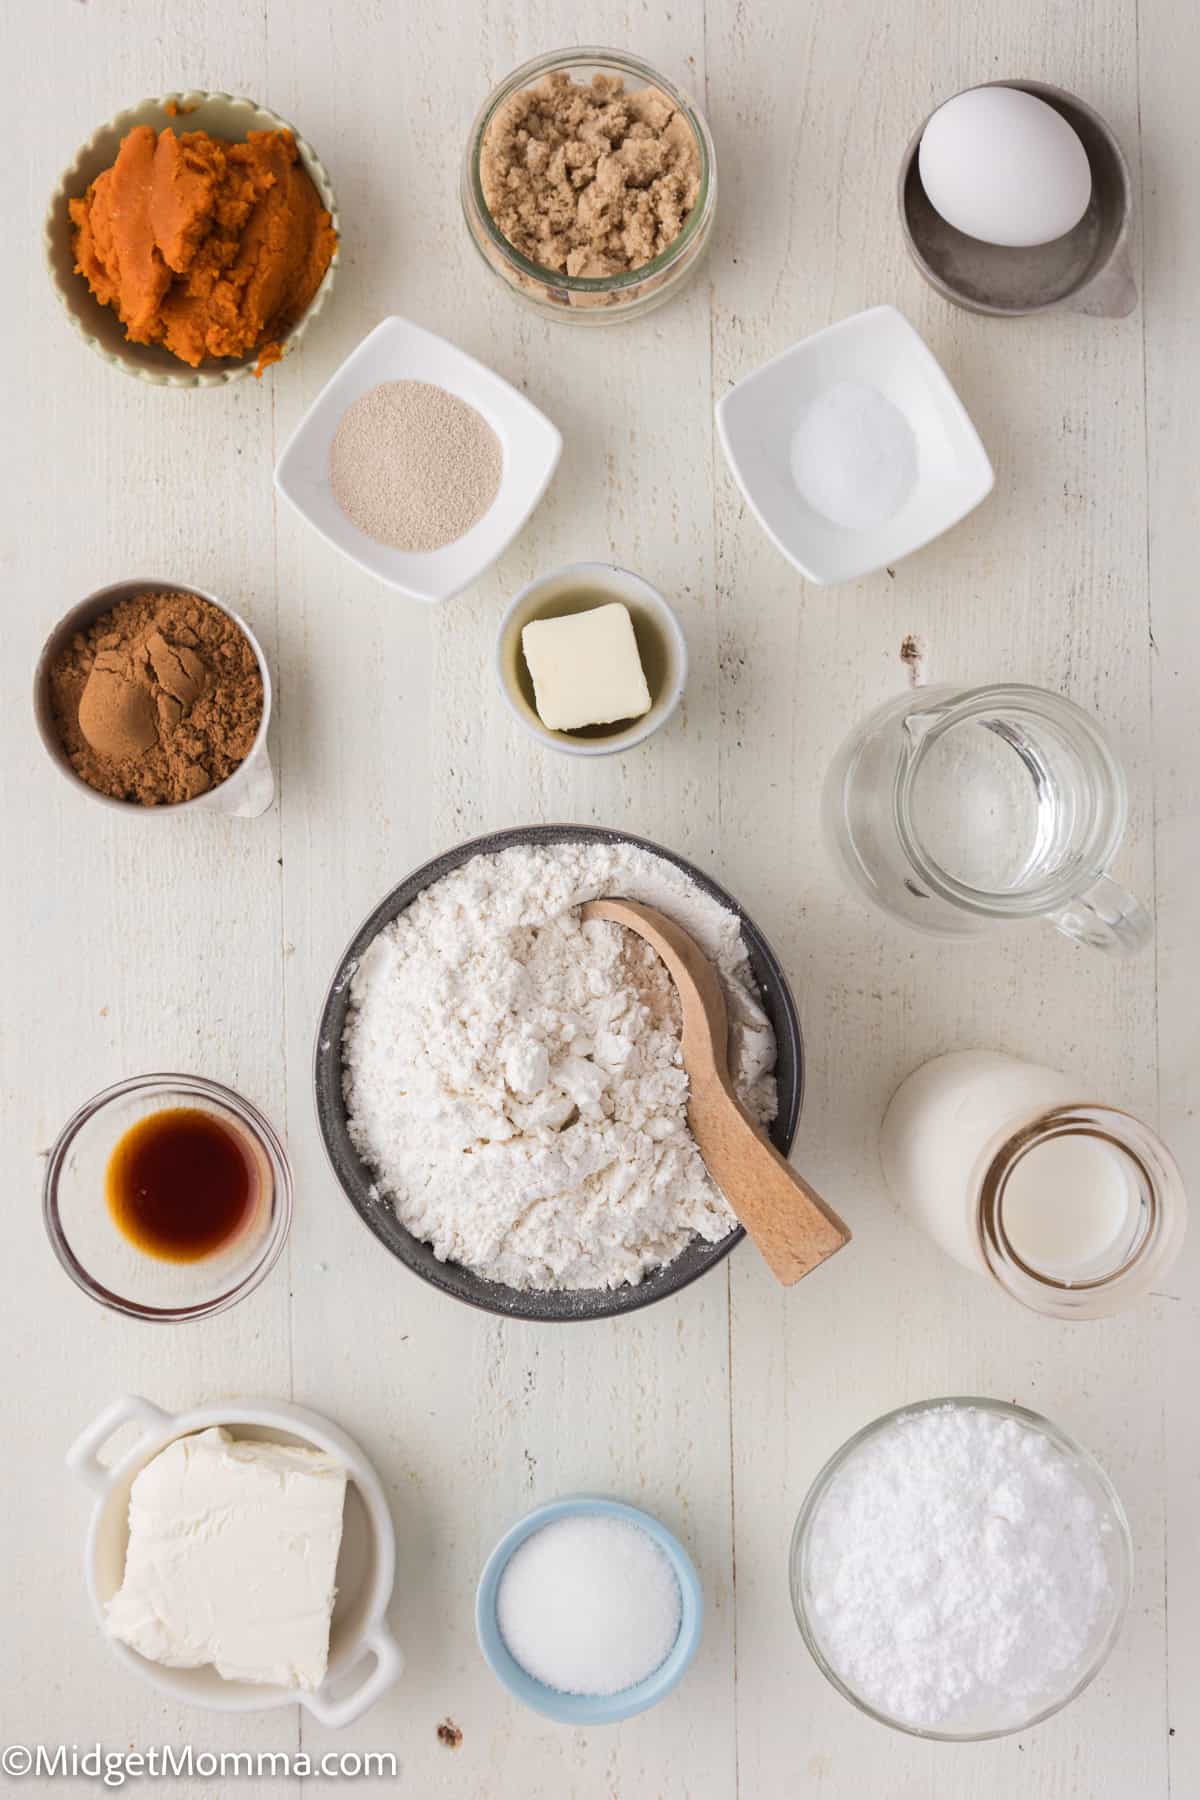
x=1107 y=918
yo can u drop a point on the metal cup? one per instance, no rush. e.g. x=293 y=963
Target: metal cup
x=1089 y=270
x=247 y=793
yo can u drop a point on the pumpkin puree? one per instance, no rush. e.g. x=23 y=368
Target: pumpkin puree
x=208 y=247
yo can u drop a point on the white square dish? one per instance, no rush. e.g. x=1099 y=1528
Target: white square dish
x=398 y=350
x=756 y=420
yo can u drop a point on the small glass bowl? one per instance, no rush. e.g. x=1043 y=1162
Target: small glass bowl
x=1115 y=1537
x=103 y=1262
x=590 y=300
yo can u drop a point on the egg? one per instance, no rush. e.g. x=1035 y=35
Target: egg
x=1000 y=165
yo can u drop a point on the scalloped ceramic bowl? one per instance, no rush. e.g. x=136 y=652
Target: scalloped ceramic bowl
x=222 y=115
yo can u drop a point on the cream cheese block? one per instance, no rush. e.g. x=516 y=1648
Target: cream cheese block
x=233 y=1544
x=585 y=668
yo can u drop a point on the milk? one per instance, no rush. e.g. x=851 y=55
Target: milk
x=1070 y=1207
x=1070 y=1203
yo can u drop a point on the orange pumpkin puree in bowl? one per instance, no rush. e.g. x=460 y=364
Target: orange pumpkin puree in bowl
x=208 y=247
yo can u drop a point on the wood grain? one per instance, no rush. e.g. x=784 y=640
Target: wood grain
x=205 y=943
x=792 y=1228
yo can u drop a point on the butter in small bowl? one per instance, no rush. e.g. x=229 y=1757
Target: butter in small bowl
x=585 y=668
x=591 y=659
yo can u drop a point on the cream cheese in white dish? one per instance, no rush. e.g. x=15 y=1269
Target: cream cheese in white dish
x=233 y=1546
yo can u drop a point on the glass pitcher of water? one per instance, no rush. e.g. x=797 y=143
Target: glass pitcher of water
x=959 y=808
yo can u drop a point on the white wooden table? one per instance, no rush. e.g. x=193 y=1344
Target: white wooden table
x=205 y=945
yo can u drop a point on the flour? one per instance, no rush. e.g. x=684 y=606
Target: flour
x=514 y=1077
x=956 y=1566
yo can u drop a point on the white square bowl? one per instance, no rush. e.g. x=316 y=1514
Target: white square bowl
x=756 y=420
x=397 y=350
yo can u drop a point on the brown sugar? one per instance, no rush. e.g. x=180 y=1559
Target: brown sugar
x=159 y=700
x=586 y=179
x=209 y=247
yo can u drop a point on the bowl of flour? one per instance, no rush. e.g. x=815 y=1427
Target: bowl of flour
x=500 y=1087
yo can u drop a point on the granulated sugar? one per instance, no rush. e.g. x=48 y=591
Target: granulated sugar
x=956 y=1567
x=589 y=1605
x=514 y=1075
x=413 y=466
x=854 y=456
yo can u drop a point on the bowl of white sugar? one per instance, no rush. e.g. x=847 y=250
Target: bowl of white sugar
x=851 y=448
x=500 y=1084
x=960 y=1569
x=589 y=1611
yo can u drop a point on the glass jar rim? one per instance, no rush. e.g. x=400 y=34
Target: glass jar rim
x=1056 y=890
x=248 y=1115
x=1163 y=1197
x=1068 y=1446
x=626 y=63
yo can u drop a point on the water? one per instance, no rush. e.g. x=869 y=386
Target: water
x=989 y=805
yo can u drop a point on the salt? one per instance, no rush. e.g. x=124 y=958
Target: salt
x=589 y=1605
x=854 y=456
x=956 y=1567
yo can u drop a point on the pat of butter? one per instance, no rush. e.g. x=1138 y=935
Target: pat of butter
x=585 y=668
x=233 y=1544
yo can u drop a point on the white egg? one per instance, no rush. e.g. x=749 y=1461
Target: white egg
x=1000 y=165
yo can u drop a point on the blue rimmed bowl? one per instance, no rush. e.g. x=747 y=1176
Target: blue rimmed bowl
x=589 y=1709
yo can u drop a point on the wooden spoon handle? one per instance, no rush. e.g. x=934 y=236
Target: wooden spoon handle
x=792 y=1226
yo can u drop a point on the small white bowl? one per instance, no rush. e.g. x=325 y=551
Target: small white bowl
x=579 y=588
x=365 y=1569
x=397 y=350
x=756 y=419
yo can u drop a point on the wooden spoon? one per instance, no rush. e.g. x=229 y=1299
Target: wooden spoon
x=792 y=1226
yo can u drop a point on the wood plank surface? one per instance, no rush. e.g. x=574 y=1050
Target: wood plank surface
x=206 y=944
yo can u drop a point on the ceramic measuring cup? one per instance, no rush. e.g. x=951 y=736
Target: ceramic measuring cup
x=246 y=794
x=958 y=809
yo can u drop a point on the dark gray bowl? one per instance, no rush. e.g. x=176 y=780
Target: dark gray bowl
x=356 y=1178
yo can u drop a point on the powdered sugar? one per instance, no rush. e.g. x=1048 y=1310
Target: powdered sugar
x=514 y=1076
x=956 y=1567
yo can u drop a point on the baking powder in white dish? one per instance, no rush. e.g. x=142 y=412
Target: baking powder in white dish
x=514 y=1076
x=956 y=1566
x=589 y=1605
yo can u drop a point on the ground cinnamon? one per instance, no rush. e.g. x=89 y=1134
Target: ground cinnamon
x=159 y=700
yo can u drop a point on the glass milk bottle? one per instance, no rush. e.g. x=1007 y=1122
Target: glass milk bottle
x=1073 y=1207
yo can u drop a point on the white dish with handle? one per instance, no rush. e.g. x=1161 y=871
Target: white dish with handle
x=365 y=1569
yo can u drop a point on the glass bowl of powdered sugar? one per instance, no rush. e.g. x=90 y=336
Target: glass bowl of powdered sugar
x=960 y=1569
